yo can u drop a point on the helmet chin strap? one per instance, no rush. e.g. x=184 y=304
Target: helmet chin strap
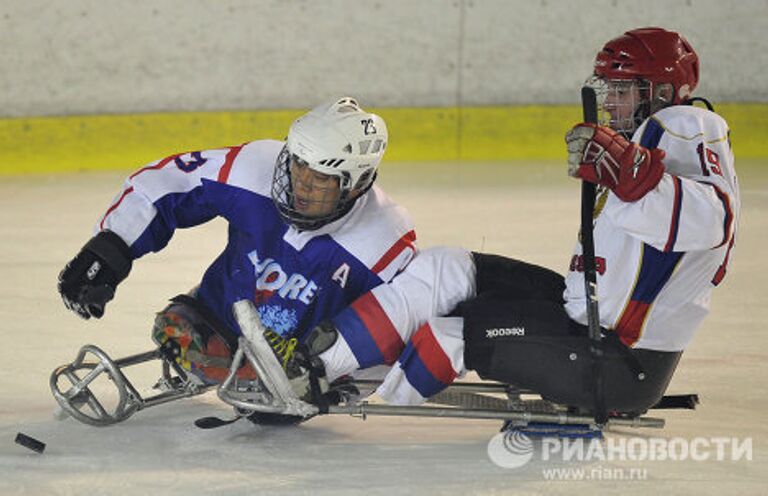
x=642 y=112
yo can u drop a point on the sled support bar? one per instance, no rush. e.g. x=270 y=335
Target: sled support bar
x=677 y=401
x=365 y=409
x=667 y=402
x=466 y=387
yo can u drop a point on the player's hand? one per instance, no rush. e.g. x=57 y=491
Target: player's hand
x=600 y=155
x=89 y=280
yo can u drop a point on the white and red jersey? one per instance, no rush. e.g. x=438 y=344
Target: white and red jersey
x=658 y=258
x=295 y=278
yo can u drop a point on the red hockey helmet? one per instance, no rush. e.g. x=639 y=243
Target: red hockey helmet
x=653 y=54
x=641 y=72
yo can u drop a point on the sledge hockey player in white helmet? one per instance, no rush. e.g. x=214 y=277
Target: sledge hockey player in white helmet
x=308 y=233
x=320 y=173
x=664 y=229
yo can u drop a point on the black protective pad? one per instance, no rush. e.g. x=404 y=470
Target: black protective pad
x=517 y=279
x=533 y=344
x=493 y=322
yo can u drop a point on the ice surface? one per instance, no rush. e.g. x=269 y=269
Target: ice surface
x=529 y=211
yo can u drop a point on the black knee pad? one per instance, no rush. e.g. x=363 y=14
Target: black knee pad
x=493 y=321
x=517 y=279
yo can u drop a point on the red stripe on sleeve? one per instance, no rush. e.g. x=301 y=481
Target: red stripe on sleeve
x=674 y=224
x=379 y=326
x=720 y=274
x=228 y=161
x=158 y=165
x=113 y=207
x=432 y=355
x=726 y=201
x=401 y=244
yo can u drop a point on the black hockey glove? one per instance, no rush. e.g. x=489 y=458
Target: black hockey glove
x=89 y=280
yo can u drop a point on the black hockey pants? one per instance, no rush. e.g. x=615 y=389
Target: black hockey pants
x=517 y=331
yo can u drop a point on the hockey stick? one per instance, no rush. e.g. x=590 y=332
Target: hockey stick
x=589 y=106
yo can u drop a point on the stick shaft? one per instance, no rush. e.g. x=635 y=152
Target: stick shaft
x=589 y=106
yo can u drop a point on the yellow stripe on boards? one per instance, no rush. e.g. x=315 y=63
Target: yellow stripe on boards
x=749 y=128
x=102 y=142
x=77 y=143
x=479 y=133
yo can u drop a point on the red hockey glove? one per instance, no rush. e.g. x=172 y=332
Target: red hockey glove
x=600 y=155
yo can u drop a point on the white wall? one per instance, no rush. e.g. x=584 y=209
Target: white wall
x=110 y=56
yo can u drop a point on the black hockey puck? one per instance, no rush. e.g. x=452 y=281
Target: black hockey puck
x=30 y=442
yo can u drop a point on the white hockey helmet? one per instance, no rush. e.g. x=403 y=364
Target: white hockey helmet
x=338 y=139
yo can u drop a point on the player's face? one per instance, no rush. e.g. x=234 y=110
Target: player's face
x=314 y=194
x=621 y=101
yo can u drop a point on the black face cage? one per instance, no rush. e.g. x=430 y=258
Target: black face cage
x=284 y=199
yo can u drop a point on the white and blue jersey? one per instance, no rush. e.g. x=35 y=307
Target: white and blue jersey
x=295 y=278
x=659 y=258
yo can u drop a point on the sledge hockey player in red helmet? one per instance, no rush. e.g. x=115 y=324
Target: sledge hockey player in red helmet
x=642 y=72
x=665 y=225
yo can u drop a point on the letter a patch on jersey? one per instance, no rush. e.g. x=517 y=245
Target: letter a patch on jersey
x=341 y=275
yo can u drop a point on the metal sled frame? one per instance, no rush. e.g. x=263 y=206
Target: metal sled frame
x=272 y=392
x=472 y=401
x=81 y=403
x=459 y=400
